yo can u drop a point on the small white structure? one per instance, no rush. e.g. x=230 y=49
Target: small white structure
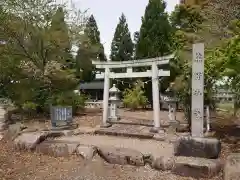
x=172 y=111
x=114 y=102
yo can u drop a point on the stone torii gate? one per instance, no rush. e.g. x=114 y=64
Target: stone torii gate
x=154 y=73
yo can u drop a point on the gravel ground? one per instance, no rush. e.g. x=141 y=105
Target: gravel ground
x=31 y=166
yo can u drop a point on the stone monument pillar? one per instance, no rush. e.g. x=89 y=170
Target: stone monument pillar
x=114 y=102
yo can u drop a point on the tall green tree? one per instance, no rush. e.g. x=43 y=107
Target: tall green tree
x=122 y=45
x=89 y=49
x=156 y=31
x=232 y=62
x=60 y=30
x=155 y=37
x=135 y=42
x=93 y=35
x=84 y=62
x=122 y=48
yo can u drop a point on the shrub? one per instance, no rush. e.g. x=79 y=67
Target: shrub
x=135 y=98
x=68 y=99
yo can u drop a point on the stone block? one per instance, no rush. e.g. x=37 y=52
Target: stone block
x=58 y=133
x=197 y=167
x=14 y=130
x=86 y=152
x=232 y=167
x=121 y=156
x=197 y=147
x=57 y=149
x=163 y=163
x=29 y=141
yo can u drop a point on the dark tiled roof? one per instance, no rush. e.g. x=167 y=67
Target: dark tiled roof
x=92 y=85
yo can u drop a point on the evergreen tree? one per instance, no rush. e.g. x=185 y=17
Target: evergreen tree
x=59 y=29
x=84 y=62
x=122 y=45
x=90 y=49
x=135 y=41
x=155 y=32
x=93 y=36
x=155 y=38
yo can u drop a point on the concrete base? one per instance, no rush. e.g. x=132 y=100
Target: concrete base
x=197 y=167
x=110 y=119
x=197 y=147
x=157 y=130
x=65 y=127
x=105 y=125
x=183 y=128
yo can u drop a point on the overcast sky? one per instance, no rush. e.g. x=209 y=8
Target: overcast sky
x=107 y=13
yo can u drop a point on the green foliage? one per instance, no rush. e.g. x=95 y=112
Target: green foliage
x=232 y=62
x=155 y=39
x=93 y=35
x=60 y=33
x=122 y=45
x=84 y=62
x=205 y=24
x=188 y=22
x=36 y=61
x=155 y=33
x=89 y=49
x=188 y=18
x=68 y=99
x=135 y=98
x=29 y=106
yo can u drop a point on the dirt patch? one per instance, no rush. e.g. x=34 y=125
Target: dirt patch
x=93 y=118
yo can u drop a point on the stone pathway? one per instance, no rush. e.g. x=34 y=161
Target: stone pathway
x=153 y=147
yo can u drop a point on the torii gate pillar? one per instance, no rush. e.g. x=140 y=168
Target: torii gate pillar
x=106 y=98
x=155 y=94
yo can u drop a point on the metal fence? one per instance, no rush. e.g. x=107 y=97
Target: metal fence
x=61 y=115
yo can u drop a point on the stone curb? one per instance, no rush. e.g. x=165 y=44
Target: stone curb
x=183 y=166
